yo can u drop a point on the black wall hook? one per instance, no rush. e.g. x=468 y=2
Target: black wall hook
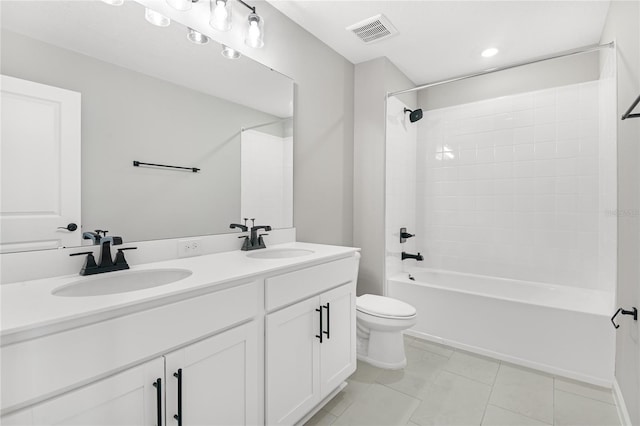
x=633 y=312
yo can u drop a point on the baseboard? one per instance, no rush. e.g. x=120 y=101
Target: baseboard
x=513 y=360
x=623 y=413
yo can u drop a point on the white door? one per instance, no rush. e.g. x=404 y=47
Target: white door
x=292 y=362
x=40 y=159
x=128 y=398
x=217 y=380
x=338 y=348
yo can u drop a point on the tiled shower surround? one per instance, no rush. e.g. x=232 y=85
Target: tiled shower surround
x=513 y=187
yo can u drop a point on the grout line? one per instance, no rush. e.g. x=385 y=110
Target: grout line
x=468 y=378
x=584 y=396
x=520 y=414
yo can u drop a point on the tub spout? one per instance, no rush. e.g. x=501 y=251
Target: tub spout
x=417 y=257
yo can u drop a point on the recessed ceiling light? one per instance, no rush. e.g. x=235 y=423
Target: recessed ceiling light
x=487 y=53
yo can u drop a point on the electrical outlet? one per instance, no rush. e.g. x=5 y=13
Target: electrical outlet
x=190 y=247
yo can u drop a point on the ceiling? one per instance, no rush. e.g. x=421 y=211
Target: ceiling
x=442 y=39
x=121 y=36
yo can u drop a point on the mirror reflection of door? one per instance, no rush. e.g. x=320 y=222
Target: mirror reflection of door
x=40 y=155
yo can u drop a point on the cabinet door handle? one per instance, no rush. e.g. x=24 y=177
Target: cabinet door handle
x=327 y=307
x=158 y=385
x=319 y=336
x=178 y=416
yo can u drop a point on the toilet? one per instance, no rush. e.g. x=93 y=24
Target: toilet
x=380 y=321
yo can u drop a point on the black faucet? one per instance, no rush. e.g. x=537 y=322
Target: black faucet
x=253 y=241
x=107 y=263
x=243 y=228
x=417 y=257
x=256 y=241
x=94 y=236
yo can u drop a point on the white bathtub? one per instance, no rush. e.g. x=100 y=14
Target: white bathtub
x=561 y=330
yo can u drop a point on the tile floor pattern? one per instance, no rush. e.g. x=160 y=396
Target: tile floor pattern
x=444 y=386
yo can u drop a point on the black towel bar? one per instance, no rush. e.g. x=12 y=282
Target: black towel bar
x=140 y=163
x=628 y=113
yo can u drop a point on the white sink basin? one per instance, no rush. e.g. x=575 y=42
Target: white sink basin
x=120 y=282
x=279 y=253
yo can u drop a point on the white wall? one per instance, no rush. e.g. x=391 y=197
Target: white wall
x=323 y=109
x=373 y=79
x=622 y=26
x=510 y=187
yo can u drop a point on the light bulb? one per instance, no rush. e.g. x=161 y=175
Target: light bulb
x=220 y=15
x=230 y=53
x=196 y=37
x=156 y=18
x=253 y=37
x=182 y=5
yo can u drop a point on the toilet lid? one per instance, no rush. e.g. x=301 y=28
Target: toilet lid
x=384 y=306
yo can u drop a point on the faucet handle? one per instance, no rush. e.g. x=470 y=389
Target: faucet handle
x=81 y=253
x=121 y=262
x=89 y=263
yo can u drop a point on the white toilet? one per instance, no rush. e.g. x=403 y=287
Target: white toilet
x=380 y=323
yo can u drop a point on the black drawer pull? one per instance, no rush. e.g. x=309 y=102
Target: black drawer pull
x=327 y=307
x=178 y=416
x=158 y=385
x=319 y=336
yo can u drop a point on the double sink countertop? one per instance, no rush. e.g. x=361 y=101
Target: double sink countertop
x=30 y=310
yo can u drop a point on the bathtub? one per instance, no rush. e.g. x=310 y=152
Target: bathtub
x=557 y=329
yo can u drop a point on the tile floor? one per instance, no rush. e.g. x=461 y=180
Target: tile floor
x=445 y=386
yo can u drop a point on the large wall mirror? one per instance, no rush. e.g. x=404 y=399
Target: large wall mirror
x=146 y=94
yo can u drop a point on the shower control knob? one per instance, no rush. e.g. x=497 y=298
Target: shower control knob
x=404 y=235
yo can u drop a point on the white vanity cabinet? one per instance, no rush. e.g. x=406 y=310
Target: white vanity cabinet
x=215 y=381
x=310 y=344
x=267 y=347
x=126 y=398
x=211 y=382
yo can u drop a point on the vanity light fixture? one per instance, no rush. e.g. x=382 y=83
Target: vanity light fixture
x=220 y=15
x=114 y=2
x=196 y=37
x=230 y=53
x=253 y=36
x=488 y=53
x=156 y=18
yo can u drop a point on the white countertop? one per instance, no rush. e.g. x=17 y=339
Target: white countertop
x=30 y=310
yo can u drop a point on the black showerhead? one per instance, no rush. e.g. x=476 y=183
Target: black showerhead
x=414 y=115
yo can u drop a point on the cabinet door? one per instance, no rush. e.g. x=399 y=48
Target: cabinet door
x=338 y=348
x=219 y=380
x=292 y=362
x=128 y=398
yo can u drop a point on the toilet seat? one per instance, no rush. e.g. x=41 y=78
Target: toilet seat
x=384 y=307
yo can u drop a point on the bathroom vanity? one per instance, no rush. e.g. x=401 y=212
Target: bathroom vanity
x=244 y=339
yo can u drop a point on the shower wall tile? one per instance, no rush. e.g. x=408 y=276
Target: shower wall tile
x=514 y=187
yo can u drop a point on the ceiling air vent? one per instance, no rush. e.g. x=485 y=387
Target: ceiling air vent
x=373 y=29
